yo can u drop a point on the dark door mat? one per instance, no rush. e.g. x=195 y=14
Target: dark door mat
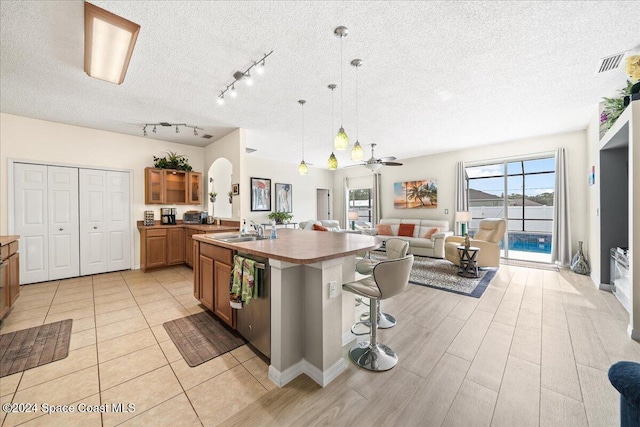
x=28 y=348
x=202 y=337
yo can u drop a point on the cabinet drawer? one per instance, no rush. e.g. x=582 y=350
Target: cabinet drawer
x=216 y=252
x=157 y=233
x=13 y=247
x=4 y=252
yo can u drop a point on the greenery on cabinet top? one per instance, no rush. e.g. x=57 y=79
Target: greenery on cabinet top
x=172 y=160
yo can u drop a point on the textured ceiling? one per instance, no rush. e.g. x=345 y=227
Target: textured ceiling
x=437 y=76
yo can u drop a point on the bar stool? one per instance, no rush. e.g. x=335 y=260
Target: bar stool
x=396 y=248
x=389 y=278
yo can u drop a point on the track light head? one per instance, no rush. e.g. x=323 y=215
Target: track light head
x=177 y=129
x=144 y=131
x=233 y=91
x=154 y=129
x=195 y=132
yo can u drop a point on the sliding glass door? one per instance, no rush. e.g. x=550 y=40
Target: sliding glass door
x=521 y=192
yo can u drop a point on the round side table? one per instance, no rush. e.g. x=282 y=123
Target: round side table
x=468 y=261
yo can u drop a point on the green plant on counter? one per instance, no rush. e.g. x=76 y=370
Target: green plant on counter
x=173 y=160
x=280 y=217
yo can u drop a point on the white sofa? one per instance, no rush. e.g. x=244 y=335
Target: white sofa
x=418 y=244
x=330 y=224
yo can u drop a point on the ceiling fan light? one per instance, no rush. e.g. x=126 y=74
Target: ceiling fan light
x=341 y=141
x=332 y=162
x=303 y=169
x=357 y=153
x=373 y=166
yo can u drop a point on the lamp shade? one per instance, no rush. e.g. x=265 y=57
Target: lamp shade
x=353 y=215
x=463 y=216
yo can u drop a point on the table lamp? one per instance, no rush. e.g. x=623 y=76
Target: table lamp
x=353 y=217
x=463 y=217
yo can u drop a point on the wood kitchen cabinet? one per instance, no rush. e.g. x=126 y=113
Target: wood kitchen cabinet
x=10 y=289
x=175 y=246
x=188 y=246
x=153 y=246
x=172 y=187
x=211 y=280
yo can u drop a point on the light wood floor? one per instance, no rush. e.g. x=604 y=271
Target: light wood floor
x=534 y=350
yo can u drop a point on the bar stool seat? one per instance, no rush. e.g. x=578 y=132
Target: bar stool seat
x=389 y=278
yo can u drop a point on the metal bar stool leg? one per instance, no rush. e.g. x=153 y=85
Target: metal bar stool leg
x=371 y=355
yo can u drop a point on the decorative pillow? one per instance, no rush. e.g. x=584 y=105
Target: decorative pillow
x=406 y=230
x=384 y=230
x=309 y=225
x=317 y=227
x=431 y=232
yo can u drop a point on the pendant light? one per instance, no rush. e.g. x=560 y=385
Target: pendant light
x=357 y=153
x=332 y=162
x=341 y=141
x=302 y=169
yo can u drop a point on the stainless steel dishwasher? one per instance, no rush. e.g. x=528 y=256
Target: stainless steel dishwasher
x=254 y=319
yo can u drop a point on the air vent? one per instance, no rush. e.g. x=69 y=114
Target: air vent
x=207 y=136
x=250 y=150
x=610 y=62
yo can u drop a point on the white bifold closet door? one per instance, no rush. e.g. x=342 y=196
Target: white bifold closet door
x=104 y=221
x=46 y=218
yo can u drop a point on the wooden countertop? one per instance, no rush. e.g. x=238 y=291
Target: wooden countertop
x=210 y=228
x=301 y=246
x=5 y=240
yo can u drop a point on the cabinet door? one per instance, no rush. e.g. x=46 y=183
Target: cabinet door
x=175 y=187
x=4 y=290
x=155 y=251
x=188 y=247
x=153 y=186
x=196 y=270
x=64 y=233
x=195 y=188
x=206 y=281
x=14 y=278
x=222 y=309
x=30 y=220
x=175 y=246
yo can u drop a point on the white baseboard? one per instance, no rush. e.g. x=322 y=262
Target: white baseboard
x=303 y=367
x=347 y=337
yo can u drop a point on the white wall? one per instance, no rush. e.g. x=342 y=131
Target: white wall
x=592 y=242
x=442 y=166
x=232 y=147
x=23 y=138
x=303 y=187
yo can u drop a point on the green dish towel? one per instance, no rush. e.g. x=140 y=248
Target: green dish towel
x=249 y=280
x=236 y=287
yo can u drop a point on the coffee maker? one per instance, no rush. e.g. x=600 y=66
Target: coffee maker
x=168 y=216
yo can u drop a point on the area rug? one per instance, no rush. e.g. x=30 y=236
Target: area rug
x=442 y=274
x=202 y=337
x=28 y=348
x=529 y=264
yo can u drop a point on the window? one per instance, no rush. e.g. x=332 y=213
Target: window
x=361 y=201
x=521 y=192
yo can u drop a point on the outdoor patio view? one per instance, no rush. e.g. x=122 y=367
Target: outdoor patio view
x=522 y=192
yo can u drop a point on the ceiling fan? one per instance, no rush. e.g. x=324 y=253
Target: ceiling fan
x=374 y=164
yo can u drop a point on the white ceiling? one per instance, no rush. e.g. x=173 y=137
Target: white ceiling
x=437 y=76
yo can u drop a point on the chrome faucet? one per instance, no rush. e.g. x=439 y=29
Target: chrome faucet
x=259 y=229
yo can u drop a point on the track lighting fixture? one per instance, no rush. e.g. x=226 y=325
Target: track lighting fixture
x=165 y=124
x=244 y=76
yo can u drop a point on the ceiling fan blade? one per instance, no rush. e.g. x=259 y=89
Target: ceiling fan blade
x=391 y=163
x=386 y=159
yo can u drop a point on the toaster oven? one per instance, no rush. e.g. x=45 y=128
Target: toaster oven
x=194 y=217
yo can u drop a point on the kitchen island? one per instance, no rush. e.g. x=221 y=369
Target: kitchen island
x=309 y=312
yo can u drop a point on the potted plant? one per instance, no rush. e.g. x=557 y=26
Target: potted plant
x=230 y=194
x=280 y=217
x=212 y=196
x=173 y=160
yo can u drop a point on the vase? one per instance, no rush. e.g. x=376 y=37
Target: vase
x=579 y=263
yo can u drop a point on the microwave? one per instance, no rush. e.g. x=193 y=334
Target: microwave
x=194 y=217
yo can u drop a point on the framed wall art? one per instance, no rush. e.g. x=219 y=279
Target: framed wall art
x=415 y=194
x=235 y=188
x=284 y=198
x=260 y=194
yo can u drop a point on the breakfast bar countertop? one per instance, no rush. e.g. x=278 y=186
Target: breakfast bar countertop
x=5 y=240
x=300 y=246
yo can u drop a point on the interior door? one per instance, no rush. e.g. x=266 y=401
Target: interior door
x=93 y=222
x=323 y=207
x=30 y=220
x=118 y=221
x=64 y=237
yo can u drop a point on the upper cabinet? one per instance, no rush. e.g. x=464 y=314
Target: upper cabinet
x=172 y=187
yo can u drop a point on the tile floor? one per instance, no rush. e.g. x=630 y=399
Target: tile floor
x=534 y=350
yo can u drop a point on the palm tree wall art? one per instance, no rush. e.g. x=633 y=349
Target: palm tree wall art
x=415 y=194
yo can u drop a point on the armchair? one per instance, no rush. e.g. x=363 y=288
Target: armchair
x=487 y=238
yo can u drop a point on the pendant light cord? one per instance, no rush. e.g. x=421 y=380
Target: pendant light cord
x=332 y=113
x=341 y=83
x=356 y=104
x=303 y=132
